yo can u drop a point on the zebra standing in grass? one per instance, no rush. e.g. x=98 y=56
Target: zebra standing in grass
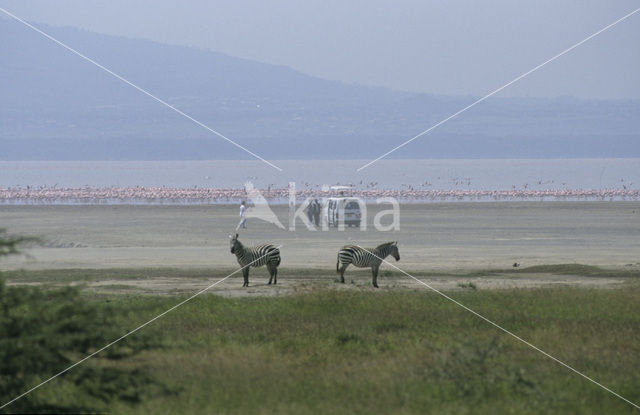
x=366 y=257
x=256 y=256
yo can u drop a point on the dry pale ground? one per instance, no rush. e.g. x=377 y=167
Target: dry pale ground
x=356 y=281
x=447 y=238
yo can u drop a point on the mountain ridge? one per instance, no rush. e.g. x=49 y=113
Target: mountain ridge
x=56 y=106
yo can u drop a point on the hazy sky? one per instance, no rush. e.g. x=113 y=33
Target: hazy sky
x=447 y=47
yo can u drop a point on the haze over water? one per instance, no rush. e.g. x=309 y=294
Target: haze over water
x=494 y=174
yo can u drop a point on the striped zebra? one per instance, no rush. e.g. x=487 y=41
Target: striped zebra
x=366 y=257
x=256 y=256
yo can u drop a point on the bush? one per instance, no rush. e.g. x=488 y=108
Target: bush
x=44 y=332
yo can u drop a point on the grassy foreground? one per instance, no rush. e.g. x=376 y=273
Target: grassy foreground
x=330 y=351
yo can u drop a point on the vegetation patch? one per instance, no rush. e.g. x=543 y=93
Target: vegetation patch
x=581 y=270
x=379 y=352
x=467 y=285
x=45 y=332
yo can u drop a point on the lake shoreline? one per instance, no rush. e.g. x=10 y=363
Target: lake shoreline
x=140 y=195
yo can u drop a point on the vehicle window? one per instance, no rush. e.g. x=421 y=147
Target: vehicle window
x=353 y=205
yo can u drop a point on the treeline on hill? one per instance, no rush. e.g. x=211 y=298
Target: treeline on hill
x=43 y=332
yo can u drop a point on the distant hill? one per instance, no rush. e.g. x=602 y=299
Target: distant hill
x=56 y=106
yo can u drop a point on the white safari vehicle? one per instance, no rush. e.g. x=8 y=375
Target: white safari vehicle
x=347 y=206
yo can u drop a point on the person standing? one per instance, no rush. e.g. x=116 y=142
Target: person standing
x=243 y=216
x=316 y=211
x=310 y=212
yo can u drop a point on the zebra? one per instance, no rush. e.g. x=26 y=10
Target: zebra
x=366 y=257
x=256 y=256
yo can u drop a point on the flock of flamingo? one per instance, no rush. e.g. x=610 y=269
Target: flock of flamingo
x=169 y=195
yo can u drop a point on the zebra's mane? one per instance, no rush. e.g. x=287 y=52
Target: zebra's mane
x=384 y=245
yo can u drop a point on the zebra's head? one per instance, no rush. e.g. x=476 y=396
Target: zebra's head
x=394 y=251
x=233 y=242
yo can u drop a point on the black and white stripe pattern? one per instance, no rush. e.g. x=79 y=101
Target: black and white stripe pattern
x=256 y=256
x=366 y=257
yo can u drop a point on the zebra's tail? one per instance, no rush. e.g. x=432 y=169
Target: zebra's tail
x=278 y=257
x=338 y=264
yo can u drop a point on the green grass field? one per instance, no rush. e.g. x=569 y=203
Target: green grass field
x=388 y=351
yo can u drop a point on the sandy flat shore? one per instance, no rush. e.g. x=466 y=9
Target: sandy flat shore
x=292 y=282
x=436 y=236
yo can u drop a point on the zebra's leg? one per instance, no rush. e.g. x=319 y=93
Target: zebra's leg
x=245 y=274
x=342 y=269
x=272 y=273
x=374 y=271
